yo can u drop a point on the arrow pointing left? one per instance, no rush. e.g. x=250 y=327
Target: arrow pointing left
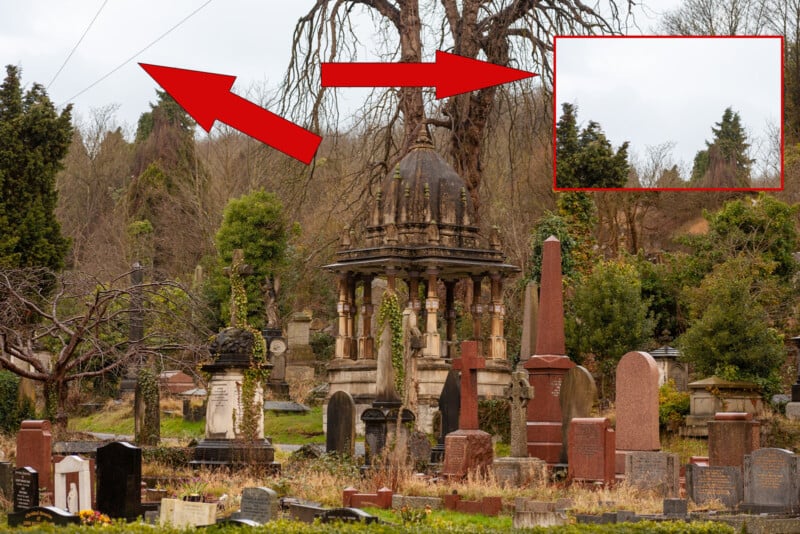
x=207 y=97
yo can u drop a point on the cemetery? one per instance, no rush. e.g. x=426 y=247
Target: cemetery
x=466 y=313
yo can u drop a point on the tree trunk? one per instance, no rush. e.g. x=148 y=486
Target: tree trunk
x=411 y=104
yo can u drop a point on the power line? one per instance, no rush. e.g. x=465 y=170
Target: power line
x=77 y=44
x=134 y=56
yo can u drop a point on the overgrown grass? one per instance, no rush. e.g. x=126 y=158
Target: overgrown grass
x=684 y=447
x=295 y=429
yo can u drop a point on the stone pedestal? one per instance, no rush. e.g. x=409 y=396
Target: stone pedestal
x=467 y=451
x=544 y=414
x=519 y=472
x=732 y=436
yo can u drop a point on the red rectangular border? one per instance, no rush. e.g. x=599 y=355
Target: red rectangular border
x=638 y=189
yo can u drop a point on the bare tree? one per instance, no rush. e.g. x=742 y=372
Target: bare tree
x=506 y=32
x=717 y=17
x=60 y=328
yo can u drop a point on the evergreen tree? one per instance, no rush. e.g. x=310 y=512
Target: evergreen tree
x=724 y=162
x=587 y=159
x=34 y=139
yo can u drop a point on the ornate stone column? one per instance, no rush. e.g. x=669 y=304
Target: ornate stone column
x=366 y=343
x=351 y=319
x=497 y=340
x=476 y=308
x=413 y=291
x=450 y=315
x=433 y=346
x=342 y=309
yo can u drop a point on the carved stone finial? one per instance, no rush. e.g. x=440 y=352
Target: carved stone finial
x=494 y=238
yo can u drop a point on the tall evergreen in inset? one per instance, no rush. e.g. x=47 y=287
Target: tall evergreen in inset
x=724 y=162
x=34 y=139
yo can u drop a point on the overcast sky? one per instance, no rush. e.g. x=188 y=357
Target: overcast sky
x=654 y=90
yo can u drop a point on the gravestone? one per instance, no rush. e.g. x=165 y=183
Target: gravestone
x=530 y=312
x=181 y=514
x=26 y=488
x=714 y=483
x=591 y=450
x=73 y=464
x=576 y=397
x=549 y=363
x=347 y=515
x=655 y=471
x=42 y=514
x=119 y=480
x=449 y=408
x=341 y=435
x=637 y=406
x=468 y=448
x=771 y=482
x=34 y=449
x=731 y=436
x=6 y=480
x=519 y=469
x=258 y=504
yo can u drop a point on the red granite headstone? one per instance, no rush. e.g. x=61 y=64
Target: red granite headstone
x=34 y=449
x=636 y=406
x=732 y=435
x=549 y=364
x=591 y=450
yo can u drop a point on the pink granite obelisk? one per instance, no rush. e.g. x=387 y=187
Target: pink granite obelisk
x=549 y=364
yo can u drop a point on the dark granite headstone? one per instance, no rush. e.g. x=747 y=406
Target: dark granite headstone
x=771 y=482
x=341 y=435
x=347 y=515
x=450 y=409
x=26 y=488
x=258 y=504
x=42 y=514
x=674 y=507
x=374 y=433
x=708 y=483
x=7 y=480
x=119 y=480
x=238 y=522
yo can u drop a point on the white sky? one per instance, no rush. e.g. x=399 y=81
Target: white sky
x=654 y=90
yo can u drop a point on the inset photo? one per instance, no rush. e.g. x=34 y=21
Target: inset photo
x=668 y=113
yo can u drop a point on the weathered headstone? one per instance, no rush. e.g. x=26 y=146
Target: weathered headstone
x=530 y=312
x=637 y=406
x=34 y=449
x=347 y=515
x=714 y=483
x=531 y=514
x=73 y=464
x=771 y=482
x=731 y=436
x=182 y=514
x=591 y=450
x=468 y=448
x=341 y=435
x=119 y=480
x=258 y=504
x=449 y=408
x=42 y=514
x=577 y=396
x=374 y=433
x=655 y=471
x=26 y=488
x=547 y=367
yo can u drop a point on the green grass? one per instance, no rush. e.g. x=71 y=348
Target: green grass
x=455 y=520
x=295 y=429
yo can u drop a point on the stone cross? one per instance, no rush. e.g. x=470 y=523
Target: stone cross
x=468 y=364
x=518 y=393
x=237 y=264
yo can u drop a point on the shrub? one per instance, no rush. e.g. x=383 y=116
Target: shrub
x=12 y=413
x=494 y=417
x=673 y=405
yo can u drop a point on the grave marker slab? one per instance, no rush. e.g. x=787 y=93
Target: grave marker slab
x=449 y=408
x=731 y=436
x=182 y=514
x=34 y=449
x=771 y=482
x=42 y=514
x=576 y=397
x=637 y=406
x=722 y=483
x=341 y=435
x=73 y=464
x=591 y=450
x=656 y=471
x=119 y=480
x=26 y=489
x=347 y=515
x=258 y=504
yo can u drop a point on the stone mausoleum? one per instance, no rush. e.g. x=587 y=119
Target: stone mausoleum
x=421 y=240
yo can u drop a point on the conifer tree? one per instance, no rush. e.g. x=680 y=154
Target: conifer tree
x=726 y=155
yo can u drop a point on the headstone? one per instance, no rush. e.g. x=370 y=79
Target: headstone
x=468 y=448
x=771 y=482
x=73 y=464
x=531 y=514
x=347 y=515
x=449 y=408
x=34 y=449
x=530 y=312
x=674 y=507
x=341 y=435
x=6 y=480
x=714 y=483
x=26 y=489
x=119 y=480
x=549 y=364
x=637 y=406
x=576 y=397
x=591 y=450
x=42 y=514
x=654 y=471
x=298 y=330
x=181 y=514
x=258 y=504
x=731 y=436
x=374 y=433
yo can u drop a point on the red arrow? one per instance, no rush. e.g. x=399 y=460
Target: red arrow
x=207 y=98
x=450 y=74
